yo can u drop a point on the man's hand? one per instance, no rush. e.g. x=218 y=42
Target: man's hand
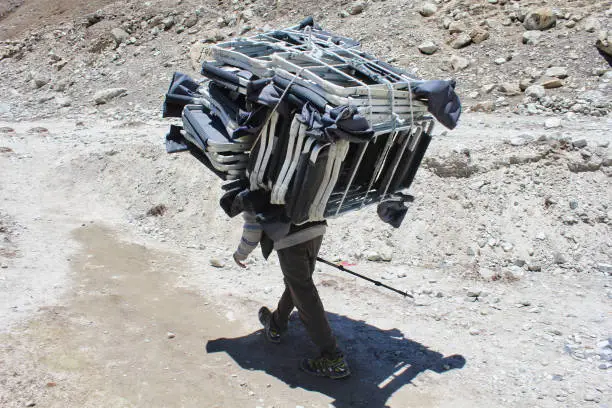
x=238 y=262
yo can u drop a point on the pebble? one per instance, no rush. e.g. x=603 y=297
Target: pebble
x=500 y=60
x=428 y=47
x=532 y=37
x=461 y=41
x=171 y=335
x=540 y=19
x=514 y=273
x=556 y=72
x=428 y=9
x=474 y=332
x=106 y=95
x=579 y=143
x=605 y=268
x=474 y=293
x=591 y=397
x=551 y=83
x=30 y=404
x=459 y=63
x=535 y=91
x=552 y=123
x=486 y=274
x=356 y=8
x=217 y=263
x=559 y=258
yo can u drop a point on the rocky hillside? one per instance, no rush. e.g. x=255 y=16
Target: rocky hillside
x=528 y=57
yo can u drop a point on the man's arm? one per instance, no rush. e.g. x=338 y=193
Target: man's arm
x=251 y=235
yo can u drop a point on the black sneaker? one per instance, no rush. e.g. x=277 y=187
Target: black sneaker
x=323 y=366
x=272 y=334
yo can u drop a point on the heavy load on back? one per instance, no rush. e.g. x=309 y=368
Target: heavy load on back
x=305 y=126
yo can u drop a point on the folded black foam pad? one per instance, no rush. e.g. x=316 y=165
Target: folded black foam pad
x=408 y=170
x=175 y=141
x=181 y=92
x=303 y=196
x=442 y=101
x=205 y=127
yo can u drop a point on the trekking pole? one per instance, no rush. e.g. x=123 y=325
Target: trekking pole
x=377 y=283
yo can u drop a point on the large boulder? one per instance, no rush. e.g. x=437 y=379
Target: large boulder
x=540 y=19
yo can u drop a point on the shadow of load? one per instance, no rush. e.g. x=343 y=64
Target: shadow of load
x=382 y=361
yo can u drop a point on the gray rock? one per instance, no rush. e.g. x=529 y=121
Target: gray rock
x=509 y=89
x=474 y=293
x=479 y=35
x=461 y=41
x=30 y=404
x=40 y=80
x=106 y=95
x=168 y=22
x=532 y=37
x=552 y=123
x=217 y=263
x=372 y=256
x=573 y=204
x=550 y=83
x=486 y=274
x=119 y=35
x=556 y=72
x=484 y=106
x=63 y=101
x=534 y=267
x=487 y=88
x=605 y=268
x=604 y=42
x=386 y=254
x=540 y=19
x=591 y=25
x=459 y=63
x=559 y=258
x=535 y=91
x=356 y=8
x=579 y=143
x=428 y=9
x=457 y=27
x=428 y=47
x=190 y=20
x=500 y=61
x=514 y=273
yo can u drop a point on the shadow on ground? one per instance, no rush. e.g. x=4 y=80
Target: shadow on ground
x=382 y=361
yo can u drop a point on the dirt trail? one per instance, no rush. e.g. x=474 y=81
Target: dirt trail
x=96 y=285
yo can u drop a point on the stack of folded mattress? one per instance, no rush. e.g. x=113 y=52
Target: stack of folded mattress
x=306 y=120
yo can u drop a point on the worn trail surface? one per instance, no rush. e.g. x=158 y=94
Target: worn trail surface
x=105 y=306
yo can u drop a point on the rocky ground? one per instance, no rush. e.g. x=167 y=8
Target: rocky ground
x=108 y=296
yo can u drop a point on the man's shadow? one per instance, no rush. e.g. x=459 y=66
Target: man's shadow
x=382 y=361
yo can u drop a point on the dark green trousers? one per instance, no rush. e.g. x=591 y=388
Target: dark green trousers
x=298 y=265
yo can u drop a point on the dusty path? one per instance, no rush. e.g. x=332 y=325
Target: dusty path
x=95 y=286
